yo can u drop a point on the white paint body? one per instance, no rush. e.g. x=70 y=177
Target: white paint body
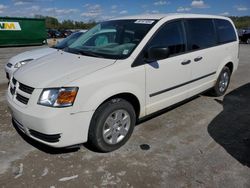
x=32 y=54
x=99 y=79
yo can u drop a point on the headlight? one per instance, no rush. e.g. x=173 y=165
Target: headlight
x=21 y=63
x=58 y=97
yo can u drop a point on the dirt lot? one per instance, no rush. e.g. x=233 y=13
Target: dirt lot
x=202 y=143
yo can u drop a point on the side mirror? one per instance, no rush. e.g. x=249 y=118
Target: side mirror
x=157 y=53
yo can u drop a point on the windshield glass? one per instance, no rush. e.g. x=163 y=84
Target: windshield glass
x=112 y=39
x=68 y=41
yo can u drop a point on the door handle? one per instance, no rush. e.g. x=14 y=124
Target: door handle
x=186 y=62
x=198 y=59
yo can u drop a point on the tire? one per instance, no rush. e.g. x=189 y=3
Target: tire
x=222 y=83
x=112 y=125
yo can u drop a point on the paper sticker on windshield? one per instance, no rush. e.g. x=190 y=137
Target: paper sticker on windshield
x=144 y=21
x=125 y=52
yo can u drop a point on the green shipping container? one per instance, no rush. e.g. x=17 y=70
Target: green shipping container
x=22 y=31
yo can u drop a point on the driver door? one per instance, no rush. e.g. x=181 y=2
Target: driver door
x=167 y=79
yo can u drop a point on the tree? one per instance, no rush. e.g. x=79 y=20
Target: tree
x=50 y=22
x=53 y=23
x=241 y=22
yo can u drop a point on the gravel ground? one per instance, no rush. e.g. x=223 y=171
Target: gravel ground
x=202 y=143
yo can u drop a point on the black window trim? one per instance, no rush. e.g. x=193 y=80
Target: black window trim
x=137 y=60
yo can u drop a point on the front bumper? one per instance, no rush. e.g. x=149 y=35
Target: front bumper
x=56 y=127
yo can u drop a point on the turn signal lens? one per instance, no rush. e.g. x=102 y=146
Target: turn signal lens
x=66 y=98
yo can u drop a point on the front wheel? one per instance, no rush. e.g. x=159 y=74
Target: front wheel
x=222 y=82
x=112 y=125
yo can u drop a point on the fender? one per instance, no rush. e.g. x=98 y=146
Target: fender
x=106 y=92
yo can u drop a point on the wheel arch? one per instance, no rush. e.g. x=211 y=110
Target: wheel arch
x=131 y=98
x=230 y=65
x=227 y=63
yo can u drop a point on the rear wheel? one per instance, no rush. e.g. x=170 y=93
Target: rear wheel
x=222 y=83
x=112 y=125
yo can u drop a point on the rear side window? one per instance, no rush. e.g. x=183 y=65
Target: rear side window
x=170 y=35
x=225 y=31
x=200 y=33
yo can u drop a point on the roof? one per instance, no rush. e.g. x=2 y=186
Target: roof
x=143 y=16
x=160 y=16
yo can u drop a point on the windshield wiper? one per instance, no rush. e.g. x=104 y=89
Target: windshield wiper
x=70 y=50
x=88 y=53
x=81 y=52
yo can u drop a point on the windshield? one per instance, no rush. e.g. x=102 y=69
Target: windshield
x=112 y=39
x=68 y=41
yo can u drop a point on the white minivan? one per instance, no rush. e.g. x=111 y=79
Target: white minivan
x=118 y=72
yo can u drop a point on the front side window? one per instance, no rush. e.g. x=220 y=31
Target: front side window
x=171 y=36
x=114 y=39
x=200 y=33
x=225 y=31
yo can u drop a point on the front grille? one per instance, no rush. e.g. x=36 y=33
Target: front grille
x=14 y=81
x=7 y=76
x=52 y=138
x=20 y=91
x=9 y=65
x=12 y=90
x=22 y=99
x=25 y=88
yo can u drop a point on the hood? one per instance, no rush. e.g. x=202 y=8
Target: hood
x=32 y=54
x=59 y=69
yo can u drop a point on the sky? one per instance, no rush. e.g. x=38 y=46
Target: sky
x=86 y=10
